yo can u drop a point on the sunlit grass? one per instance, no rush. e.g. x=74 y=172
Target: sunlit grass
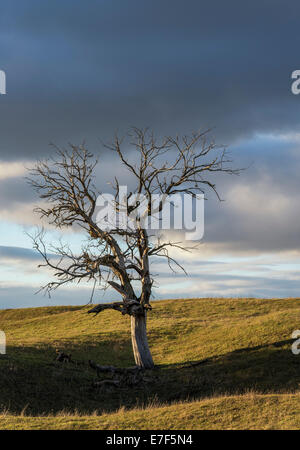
x=248 y=411
x=245 y=345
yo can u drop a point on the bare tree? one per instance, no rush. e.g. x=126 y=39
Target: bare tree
x=120 y=257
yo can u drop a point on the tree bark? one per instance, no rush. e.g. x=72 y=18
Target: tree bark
x=141 y=351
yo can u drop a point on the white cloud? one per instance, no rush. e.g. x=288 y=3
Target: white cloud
x=12 y=169
x=263 y=199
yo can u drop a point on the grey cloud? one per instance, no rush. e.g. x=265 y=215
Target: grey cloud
x=84 y=69
x=14 y=191
x=231 y=286
x=18 y=253
x=208 y=286
x=26 y=297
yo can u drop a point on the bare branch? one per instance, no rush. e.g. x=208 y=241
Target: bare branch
x=167 y=166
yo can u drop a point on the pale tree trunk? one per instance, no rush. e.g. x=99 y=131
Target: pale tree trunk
x=139 y=341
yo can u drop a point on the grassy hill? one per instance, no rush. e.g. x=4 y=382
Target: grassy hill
x=243 y=375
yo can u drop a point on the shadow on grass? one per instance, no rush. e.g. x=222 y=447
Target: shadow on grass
x=31 y=379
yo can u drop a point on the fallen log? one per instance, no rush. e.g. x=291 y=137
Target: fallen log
x=114 y=370
x=121 y=377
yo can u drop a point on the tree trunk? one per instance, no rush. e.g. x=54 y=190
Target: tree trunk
x=139 y=341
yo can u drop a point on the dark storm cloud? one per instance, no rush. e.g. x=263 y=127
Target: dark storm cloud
x=82 y=69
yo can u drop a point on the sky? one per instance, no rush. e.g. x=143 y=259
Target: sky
x=83 y=70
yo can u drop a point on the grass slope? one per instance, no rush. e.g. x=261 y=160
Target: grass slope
x=248 y=411
x=244 y=345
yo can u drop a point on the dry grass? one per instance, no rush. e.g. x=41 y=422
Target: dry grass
x=248 y=411
x=244 y=343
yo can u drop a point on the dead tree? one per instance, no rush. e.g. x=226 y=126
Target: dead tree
x=120 y=258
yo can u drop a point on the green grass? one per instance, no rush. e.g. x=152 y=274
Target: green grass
x=244 y=346
x=248 y=411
